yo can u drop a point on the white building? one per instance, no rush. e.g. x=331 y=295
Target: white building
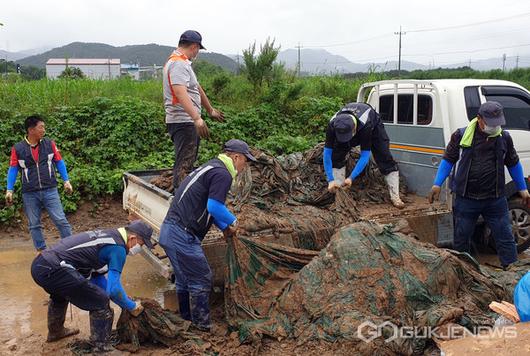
x=93 y=68
x=132 y=70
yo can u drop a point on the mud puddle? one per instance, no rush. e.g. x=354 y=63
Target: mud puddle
x=24 y=304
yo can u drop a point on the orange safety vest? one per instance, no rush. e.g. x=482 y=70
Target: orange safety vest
x=173 y=58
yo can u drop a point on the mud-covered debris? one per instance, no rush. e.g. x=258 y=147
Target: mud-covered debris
x=285 y=199
x=155 y=325
x=367 y=274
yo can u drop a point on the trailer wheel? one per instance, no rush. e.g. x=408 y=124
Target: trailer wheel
x=520 y=218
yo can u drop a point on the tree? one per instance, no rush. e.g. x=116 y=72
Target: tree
x=260 y=68
x=72 y=73
x=32 y=73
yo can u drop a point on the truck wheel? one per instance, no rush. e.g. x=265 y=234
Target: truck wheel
x=520 y=218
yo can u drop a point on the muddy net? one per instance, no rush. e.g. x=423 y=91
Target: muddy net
x=285 y=199
x=369 y=278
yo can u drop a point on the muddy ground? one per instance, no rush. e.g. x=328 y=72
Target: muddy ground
x=23 y=322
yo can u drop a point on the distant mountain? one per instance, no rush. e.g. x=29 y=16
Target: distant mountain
x=320 y=61
x=13 y=56
x=145 y=55
x=494 y=63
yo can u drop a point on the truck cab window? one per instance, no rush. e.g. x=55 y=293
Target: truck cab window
x=405 y=109
x=516 y=111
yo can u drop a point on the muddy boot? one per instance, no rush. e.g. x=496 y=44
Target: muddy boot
x=392 y=180
x=184 y=305
x=56 y=316
x=200 y=311
x=100 y=328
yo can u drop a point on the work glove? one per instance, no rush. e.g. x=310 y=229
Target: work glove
x=202 y=128
x=230 y=231
x=333 y=186
x=525 y=197
x=137 y=310
x=434 y=194
x=347 y=183
x=68 y=187
x=217 y=115
x=9 y=197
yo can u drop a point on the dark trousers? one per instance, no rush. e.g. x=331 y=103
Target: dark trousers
x=381 y=151
x=186 y=144
x=191 y=268
x=67 y=285
x=495 y=213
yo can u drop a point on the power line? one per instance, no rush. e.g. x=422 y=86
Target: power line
x=471 y=24
x=420 y=30
x=348 y=43
x=466 y=51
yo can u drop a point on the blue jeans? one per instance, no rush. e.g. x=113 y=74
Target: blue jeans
x=184 y=250
x=48 y=199
x=495 y=213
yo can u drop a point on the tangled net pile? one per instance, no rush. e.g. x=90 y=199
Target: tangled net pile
x=285 y=199
x=367 y=273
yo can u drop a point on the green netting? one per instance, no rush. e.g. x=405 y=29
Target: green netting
x=366 y=273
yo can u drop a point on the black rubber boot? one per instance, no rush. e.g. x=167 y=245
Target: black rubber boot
x=100 y=328
x=56 y=316
x=200 y=311
x=184 y=305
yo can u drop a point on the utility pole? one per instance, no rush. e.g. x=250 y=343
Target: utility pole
x=503 y=62
x=399 y=57
x=2 y=25
x=237 y=57
x=469 y=65
x=517 y=62
x=299 y=63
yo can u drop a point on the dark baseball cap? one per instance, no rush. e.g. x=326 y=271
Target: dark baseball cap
x=192 y=36
x=238 y=146
x=492 y=113
x=143 y=230
x=343 y=124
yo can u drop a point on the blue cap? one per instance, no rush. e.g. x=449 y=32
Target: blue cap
x=192 y=36
x=238 y=146
x=143 y=231
x=343 y=124
x=492 y=113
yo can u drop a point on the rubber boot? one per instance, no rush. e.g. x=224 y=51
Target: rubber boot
x=184 y=305
x=392 y=180
x=56 y=316
x=100 y=328
x=200 y=311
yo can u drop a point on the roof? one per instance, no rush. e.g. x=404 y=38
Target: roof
x=447 y=84
x=81 y=61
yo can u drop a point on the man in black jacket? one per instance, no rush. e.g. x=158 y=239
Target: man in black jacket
x=200 y=201
x=73 y=271
x=482 y=149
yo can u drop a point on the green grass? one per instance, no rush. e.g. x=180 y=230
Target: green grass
x=106 y=127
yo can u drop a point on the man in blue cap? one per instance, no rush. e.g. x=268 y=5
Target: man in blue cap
x=200 y=201
x=482 y=149
x=358 y=124
x=183 y=100
x=73 y=271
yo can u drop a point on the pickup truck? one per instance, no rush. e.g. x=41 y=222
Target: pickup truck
x=419 y=116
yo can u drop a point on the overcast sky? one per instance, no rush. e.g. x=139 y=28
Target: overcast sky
x=342 y=27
